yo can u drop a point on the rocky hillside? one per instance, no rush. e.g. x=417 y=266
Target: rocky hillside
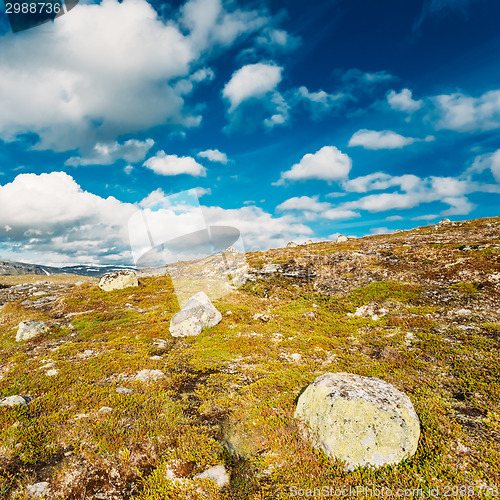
x=102 y=402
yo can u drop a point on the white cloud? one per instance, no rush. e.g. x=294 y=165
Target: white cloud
x=164 y=164
x=214 y=155
x=131 y=151
x=393 y=218
x=312 y=209
x=463 y=113
x=328 y=164
x=320 y=100
x=381 y=180
x=111 y=68
x=380 y=230
x=275 y=39
x=280 y=114
x=303 y=203
x=386 y=139
x=49 y=219
x=403 y=101
x=251 y=81
x=128 y=169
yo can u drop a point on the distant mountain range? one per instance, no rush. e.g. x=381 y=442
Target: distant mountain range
x=18 y=268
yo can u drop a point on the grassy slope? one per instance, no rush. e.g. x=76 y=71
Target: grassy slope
x=243 y=369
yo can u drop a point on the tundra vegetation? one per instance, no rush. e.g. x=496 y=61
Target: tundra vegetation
x=435 y=294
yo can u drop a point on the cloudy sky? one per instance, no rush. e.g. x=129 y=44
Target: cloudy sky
x=297 y=120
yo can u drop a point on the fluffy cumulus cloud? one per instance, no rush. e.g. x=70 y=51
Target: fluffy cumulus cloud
x=49 y=218
x=312 y=209
x=415 y=191
x=464 y=113
x=328 y=164
x=214 y=155
x=251 y=81
x=403 y=101
x=303 y=203
x=164 y=164
x=132 y=151
x=111 y=68
x=381 y=181
x=385 y=139
x=488 y=161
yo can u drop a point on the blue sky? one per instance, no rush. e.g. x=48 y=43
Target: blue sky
x=297 y=120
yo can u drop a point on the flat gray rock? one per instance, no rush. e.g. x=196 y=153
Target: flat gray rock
x=30 y=329
x=217 y=473
x=118 y=280
x=15 y=401
x=197 y=314
x=38 y=490
x=361 y=420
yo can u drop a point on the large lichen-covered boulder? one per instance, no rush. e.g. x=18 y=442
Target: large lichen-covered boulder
x=361 y=420
x=197 y=314
x=118 y=280
x=30 y=329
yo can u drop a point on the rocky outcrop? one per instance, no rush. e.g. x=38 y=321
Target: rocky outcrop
x=360 y=420
x=341 y=239
x=16 y=401
x=30 y=329
x=118 y=280
x=197 y=314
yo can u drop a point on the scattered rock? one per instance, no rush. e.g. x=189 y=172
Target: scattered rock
x=262 y=317
x=105 y=409
x=444 y=221
x=341 y=239
x=270 y=269
x=52 y=372
x=30 y=329
x=309 y=314
x=197 y=314
x=118 y=280
x=217 y=473
x=38 y=490
x=361 y=420
x=291 y=244
x=123 y=390
x=16 y=400
x=147 y=375
x=308 y=242
x=369 y=311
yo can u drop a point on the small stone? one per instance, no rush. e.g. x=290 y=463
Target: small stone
x=123 y=390
x=155 y=358
x=197 y=314
x=444 y=221
x=464 y=312
x=118 y=280
x=30 y=329
x=52 y=372
x=105 y=409
x=16 y=400
x=291 y=244
x=217 y=473
x=341 y=238
x=147 y=375
x=309 y=314
x=38 y=490
x=262 y=317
